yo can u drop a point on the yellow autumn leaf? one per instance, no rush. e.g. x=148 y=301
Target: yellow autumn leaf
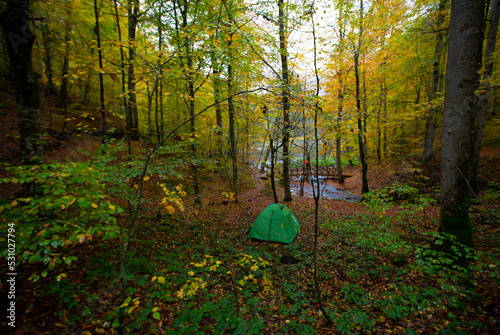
x=112 y=207
x=155 y=309
x=154 y=278
x=13 y=203
x=94 y=205
x=71 y=201
x=181 y=294
x=161 y=280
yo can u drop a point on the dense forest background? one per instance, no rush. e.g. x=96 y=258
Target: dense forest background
x=141 y=139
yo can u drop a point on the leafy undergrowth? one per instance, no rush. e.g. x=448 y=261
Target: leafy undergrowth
x=191 y=270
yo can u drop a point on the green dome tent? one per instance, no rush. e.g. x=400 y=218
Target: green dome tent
x=276 y=223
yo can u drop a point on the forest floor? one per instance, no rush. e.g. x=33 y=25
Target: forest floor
x=373 y=272
x=368 y=290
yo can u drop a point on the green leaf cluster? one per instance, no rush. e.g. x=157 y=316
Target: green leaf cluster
x=74 y=203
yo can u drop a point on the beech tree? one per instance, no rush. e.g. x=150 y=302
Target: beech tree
x=340 y=73
x=484 y=95
x=132 y=113
x=19 y=39
x=285 y=100
x=361 y=130
x=464 y=45
x=101 y=77
x=431 y=122
x=123 y=76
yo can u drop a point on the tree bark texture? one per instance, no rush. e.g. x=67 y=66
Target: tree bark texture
x=340 y=96
x=158 y=112
x=431 y=123
x=231 y=109
x=285 y=100
x=338 y=139
x=218 y=113
x=484 y=96
x=132 y=114
x=464 y=45
x=362 y=151
x=101 y=79
x=123 y=71
x=65 y=66
x=187 y=60
x=382 y=107
x=19 y=40
x=47 y=45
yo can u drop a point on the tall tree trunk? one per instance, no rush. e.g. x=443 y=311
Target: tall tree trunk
x=160 y=98
x=158 y=123
x=361 y=136
x=285 y=100
x=47 y=45
x=273 y=185
x=101 y=76
x=123 y=81
x=19 y=40
x=231 y=110
x=132 y=115
x=379 y=130
x=191 y=91
x=160 y=85
x=365 y=114
x=218 y=113
x=340 y=97
x=431 y=123
x=65 y=67
x=485 y=93
x=464 y=46
x=316 y=195
x=384 y=132
x=217 y=84
x=305 y=167
x=188 y=68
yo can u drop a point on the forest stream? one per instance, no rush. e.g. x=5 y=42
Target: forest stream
x=328 y=191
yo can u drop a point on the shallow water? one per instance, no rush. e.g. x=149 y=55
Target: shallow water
x=327 y=190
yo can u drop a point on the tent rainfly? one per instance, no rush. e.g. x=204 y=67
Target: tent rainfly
x=276 y=223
